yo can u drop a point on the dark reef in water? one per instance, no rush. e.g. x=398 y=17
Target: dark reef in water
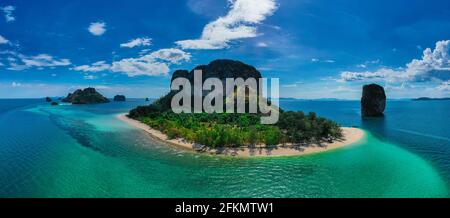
x=120 y=98
x=86 y=96
x=48 y=99
x=373 y=101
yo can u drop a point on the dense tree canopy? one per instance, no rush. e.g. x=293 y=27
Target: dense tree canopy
x=236 y=130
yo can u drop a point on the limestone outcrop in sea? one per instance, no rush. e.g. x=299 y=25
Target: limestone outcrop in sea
x=373 y=101
x=85 y=96
x=221 y=69
x=120 y=98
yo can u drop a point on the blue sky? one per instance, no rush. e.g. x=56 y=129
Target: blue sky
x=318 y=48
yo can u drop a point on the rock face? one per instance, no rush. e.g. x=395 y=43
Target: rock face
x=373 y=101
x=54 y=103
x=120 y=98
x=220 y=69
x=86 y=96
x=48 y=99
x=146 y=99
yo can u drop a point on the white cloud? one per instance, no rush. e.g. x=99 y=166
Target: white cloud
x=102 y=87
x=144 y=51
x=8 y=11
x=43 y=60
x=95 y=67
x=362 y=65
x=89 y=77
x=172 y=55
x=445 y=86
x=3 y=40
x=22 y=62
x=16 y=67
x=380 y=74
x=315 y=60
x=145 y=41
x=261 y=44
x=14 y=84
x=367 y=63
x=154 y=64
x=97 y=28
x=435 y=64
x=11 y=59
x=239 y=23
x=289 y=85
x=139 y=67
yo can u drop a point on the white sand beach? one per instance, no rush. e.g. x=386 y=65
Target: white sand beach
x=351 y=135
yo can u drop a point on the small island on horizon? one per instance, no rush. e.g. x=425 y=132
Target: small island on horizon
x=431 y=99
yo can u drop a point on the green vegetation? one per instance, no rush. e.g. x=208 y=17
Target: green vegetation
x=236 y=130
x=233 y=130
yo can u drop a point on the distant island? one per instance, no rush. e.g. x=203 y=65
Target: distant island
x=85 y=96
x=431 y=99
x=238 y=134
x=120 y=98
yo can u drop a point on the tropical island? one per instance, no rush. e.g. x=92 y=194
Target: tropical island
x=238 y=134
x=85 y=96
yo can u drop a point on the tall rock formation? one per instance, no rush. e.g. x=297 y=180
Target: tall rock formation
x=373 y=101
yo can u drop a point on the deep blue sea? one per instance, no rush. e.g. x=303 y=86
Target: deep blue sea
x=84 y=151
x=422 y=127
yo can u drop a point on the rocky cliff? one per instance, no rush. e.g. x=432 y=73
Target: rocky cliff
x=373 y=101
x=221 y=69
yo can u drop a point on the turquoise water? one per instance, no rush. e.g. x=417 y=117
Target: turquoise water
x=84 y=151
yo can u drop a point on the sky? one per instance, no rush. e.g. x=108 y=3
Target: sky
x=317 y=48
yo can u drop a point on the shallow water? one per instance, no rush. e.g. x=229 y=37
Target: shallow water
x=84 y=151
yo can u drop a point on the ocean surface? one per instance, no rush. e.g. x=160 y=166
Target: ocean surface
x=84 y=151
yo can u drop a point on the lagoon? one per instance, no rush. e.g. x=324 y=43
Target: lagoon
x=84 y=151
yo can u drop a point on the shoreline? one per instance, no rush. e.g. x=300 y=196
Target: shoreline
x=351 y=135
